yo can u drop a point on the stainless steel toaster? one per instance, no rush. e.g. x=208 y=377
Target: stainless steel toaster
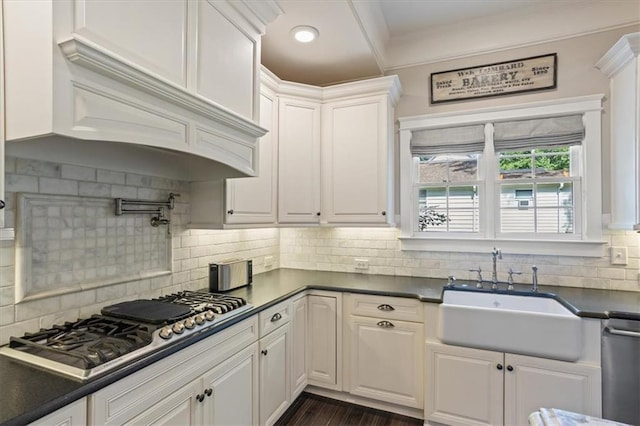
x=230 y=274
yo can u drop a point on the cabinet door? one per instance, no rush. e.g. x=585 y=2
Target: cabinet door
x=231 y=390
x=253 y=199
x=275 y=362
x=298 y=347
x=323 y=340
x=531 y=383
x=125 y=28
x=299 y=161
x=74 y=414
x=464 y=386
x=179 y=408
x=355 y=155
x=385 y=360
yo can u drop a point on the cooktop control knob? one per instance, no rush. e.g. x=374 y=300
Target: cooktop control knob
x=209 y=315
x=178 y=328
x=189 y=323
x=199 y=319
x=166 y=332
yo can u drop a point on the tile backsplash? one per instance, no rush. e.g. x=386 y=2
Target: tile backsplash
x=334 y=249
x=61 y=184
x=327 y=249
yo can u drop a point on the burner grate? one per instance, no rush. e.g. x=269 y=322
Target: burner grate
x=85 y=343
x=200 y=301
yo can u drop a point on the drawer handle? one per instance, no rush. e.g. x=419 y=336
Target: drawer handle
x=208 y=392
x=386 y=308
x=276 y=317
x=385 y=324
x=200 y=397
x=264 y=352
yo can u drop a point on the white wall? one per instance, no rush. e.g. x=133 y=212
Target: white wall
x=577 y=76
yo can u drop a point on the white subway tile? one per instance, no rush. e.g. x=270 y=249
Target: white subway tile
x=138 y=180
x=58 y=186
x=7 y=314
x=109 y=176
x=121 y=191
x=81 y=173
x=37 y=168
x=21 y=183
x=90 y=189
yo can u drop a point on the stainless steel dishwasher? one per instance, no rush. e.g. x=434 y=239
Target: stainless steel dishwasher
x=621 y=369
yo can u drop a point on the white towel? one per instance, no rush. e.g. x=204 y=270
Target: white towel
x=556 y=417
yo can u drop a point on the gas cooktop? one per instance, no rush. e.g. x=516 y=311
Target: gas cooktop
x=90 y=347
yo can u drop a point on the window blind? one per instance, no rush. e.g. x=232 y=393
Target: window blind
x=552 y=132
x=451 y=140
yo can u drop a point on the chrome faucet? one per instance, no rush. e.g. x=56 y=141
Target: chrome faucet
x=479 y=280
x=534 y=279
x=510 y=279
x=496 y=253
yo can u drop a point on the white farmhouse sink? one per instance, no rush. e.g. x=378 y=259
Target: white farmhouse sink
x=528 y=325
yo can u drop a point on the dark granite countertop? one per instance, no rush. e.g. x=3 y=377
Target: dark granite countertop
x=32 y=393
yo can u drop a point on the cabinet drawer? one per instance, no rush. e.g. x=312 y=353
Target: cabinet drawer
x=397 y=308
x=274 y=317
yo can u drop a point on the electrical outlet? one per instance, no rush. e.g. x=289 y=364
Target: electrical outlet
x=619 y=256
x=361 y=263
x=268 y=261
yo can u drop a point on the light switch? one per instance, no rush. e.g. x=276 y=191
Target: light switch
x=619 y=256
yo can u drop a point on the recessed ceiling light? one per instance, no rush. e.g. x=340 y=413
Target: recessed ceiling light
x=304 y=33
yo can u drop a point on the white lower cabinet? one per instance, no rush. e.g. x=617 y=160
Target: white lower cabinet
x=324 y=341
x=386 y=360
x=384 y=340
x=74 y=414
x=299 y=346
x=231 y=390
x=214 y=379
x=275 y=367
x=226 y=395
x=478 y=387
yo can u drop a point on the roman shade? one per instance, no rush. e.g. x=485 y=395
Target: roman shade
x=552 y=132
x=450 y=140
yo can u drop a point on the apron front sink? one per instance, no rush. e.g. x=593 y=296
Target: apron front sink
x=535 y=324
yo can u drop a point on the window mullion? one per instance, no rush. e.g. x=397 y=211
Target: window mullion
x=489 y=211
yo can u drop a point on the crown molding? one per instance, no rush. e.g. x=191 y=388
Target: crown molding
x=620 y=54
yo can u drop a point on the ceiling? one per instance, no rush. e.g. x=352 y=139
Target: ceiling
x=366 y=38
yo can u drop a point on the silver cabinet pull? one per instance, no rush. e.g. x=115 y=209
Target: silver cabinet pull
x=386 y=308
x=385 y=324
x=276 y=317
x=627 y=333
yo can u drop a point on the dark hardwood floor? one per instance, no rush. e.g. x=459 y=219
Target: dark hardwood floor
x=314 y=410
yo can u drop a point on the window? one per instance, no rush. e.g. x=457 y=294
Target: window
x=510 y=174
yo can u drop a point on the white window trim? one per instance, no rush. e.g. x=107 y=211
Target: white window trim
x=590 y=244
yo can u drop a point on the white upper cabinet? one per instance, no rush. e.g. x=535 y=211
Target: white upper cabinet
x=622 y=66
x=356 y=141
x=336 y=152
x=299 y=161
x=178 y=75
x=254 y=199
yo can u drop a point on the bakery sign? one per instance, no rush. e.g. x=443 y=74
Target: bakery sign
x=503 y=78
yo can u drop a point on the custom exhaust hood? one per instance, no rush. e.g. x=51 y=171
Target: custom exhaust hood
x=156 y=93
